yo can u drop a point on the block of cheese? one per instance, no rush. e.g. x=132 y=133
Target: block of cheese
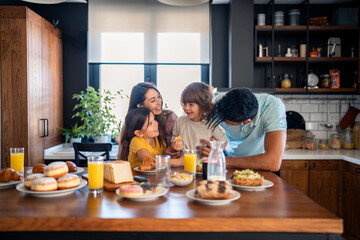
x=118 y=172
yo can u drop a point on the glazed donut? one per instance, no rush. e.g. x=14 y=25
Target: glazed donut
x=56 y=169
x=29 y=179
x=72 y=167
x=39 y=168
x=131 y=190
x=68 y=181
x=44 y=184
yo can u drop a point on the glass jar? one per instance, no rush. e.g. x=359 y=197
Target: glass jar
x=216 y=162
x=348 y=139
x=309 y=142
x=335 y=142
x=325 y=81
x=357 y=135
x=323 y=144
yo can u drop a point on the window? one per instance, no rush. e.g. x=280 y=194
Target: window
x=144 y=40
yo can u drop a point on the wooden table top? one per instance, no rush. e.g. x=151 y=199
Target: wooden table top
x=280 y=208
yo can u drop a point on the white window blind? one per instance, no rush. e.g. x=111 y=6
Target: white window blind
x=129 y=31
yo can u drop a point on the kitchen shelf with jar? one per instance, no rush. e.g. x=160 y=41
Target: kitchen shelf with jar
x=315 y=39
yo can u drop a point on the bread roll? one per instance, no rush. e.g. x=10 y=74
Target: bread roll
x=213 y=190
x=68 y=181
x=39 y=168
x=45 y=184
x=56 y=169
x=29 y=179
x=72 y=167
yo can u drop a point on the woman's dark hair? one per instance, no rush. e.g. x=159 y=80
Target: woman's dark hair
x=135 y=120
x=200 y=94
x=138 y=97
x=236 y=106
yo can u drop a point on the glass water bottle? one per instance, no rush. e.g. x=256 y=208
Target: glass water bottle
x=216 y=162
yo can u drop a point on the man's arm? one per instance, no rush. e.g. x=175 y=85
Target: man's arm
x=274 y=146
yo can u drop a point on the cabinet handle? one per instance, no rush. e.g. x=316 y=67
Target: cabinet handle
x=314 y=164
x=357 y=170
x=306 y=164
x=45 y=127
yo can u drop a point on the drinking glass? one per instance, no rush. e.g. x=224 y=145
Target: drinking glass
x=96 y=174
x=162 y=170
x=17 y=159
x=190 y=161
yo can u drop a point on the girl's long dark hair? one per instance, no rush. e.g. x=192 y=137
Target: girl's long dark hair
x=135 y=120
x=138 y=97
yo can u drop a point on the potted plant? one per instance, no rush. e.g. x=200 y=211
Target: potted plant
x=95 y=109
x=73 y=134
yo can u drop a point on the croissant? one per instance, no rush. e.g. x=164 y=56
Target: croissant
x=148 y=164
x=39 y=168
x=72 y=167
x=8 y=174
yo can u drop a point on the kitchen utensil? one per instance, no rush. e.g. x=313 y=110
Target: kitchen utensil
x=327 y=124
x=334 y=47
x=294 y=120
x=313 y=80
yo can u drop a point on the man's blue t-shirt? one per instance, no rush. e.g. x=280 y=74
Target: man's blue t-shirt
x=248 y=139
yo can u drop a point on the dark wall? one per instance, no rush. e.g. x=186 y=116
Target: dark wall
x=219 y=45
x=233 y=44
x=73 y=22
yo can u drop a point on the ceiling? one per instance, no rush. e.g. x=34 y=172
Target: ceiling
x=287 y=1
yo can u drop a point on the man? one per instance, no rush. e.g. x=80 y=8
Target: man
x=255 y=127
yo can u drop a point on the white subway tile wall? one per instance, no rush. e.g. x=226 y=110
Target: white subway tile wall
x=314 y=111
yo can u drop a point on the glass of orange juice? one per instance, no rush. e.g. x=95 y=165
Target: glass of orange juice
x=96 y=174
x=17 y=159
x=190 y=160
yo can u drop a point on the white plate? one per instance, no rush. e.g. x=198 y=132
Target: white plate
x=79 y=170
x=150 y=172
x=56 y=193
x=9 y=184
x=267 y=184
x=161 y=191
x=235 y=195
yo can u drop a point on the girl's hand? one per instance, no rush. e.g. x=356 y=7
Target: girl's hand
x=170 y=151
x=178 y=144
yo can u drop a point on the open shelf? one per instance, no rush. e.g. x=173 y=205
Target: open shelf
x=316 y=90
x=311 y=59
x=304 y=28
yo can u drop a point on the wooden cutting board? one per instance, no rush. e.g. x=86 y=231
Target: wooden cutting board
x=108 y=186
x=295 y=138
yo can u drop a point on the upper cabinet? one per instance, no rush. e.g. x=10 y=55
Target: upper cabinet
x=31 y=84
x=307 y=47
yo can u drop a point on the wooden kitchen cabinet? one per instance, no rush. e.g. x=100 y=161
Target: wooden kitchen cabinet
x=296 y=173
x=31 y=83
x=350 y=198
x=319 y=179
x=324 y=183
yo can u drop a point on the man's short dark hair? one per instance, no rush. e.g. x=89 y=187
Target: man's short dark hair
x=237 y=106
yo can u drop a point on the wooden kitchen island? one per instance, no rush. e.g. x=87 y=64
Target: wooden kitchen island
x=279 y=212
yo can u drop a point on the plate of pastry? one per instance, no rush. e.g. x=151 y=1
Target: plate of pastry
x=248 y=180
x=9 y=184
x=9 y=178
x=51 y=193
x=148 y=172
x=213 y=193
x=143 y=192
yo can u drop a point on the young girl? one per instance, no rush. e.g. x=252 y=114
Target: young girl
x=140 y=138
x=196 y=102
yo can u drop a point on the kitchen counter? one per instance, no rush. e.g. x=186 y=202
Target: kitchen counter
x=64 y=151
x=280 y=211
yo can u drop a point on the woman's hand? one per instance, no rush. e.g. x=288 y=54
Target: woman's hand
x=205 y=150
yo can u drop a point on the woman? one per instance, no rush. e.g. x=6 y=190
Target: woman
x=147 y=95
